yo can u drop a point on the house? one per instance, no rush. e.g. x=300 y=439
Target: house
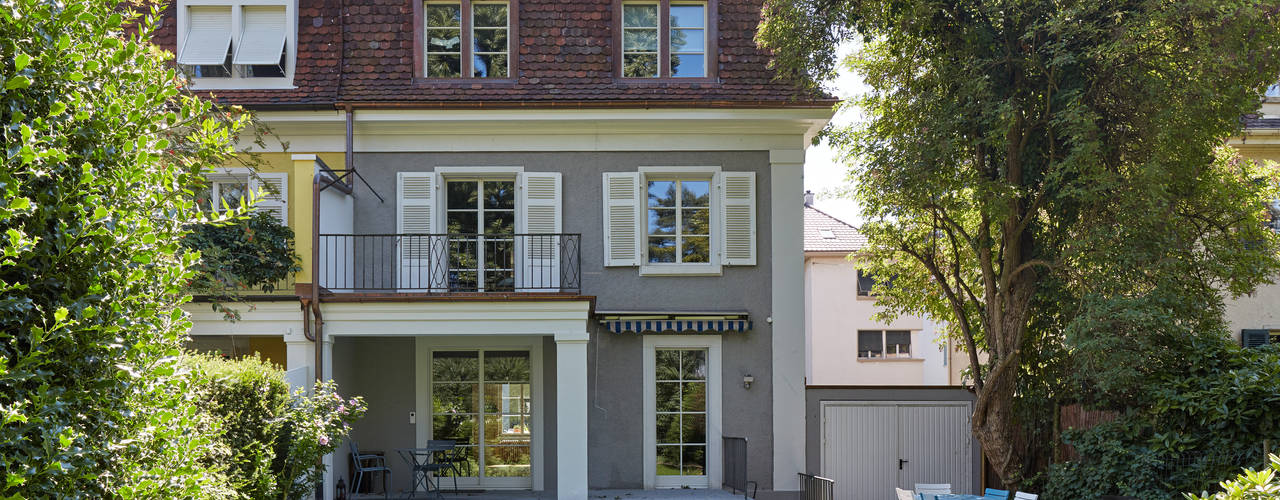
x=561 y=233
x=887 y=405
x=1254 y=319
x=840 y=321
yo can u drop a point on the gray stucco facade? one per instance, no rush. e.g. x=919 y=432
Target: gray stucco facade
x=382 y=369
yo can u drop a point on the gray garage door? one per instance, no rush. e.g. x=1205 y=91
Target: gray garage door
x=869 y=448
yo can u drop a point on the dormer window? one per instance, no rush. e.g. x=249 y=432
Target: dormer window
x=465 y=39
x=236 y=44
x=665 y=39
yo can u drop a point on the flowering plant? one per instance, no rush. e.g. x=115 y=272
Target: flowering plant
x=316 y=425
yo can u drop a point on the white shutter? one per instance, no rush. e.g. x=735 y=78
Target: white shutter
x=208 y=36
x=737 y=218
x=539 y=206
x=416 y=213
x=262 y=35
x=273 y=197
x=622 y=219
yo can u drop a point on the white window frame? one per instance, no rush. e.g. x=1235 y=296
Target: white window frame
x=715 y=430
x=237 y=14
x=711 y=268
x=480 y=178
x=671 y=52
x=425 y=345
x=253 y=187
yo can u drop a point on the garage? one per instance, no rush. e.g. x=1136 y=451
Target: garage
x=891 y=438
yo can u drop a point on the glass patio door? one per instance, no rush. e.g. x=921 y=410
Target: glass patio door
x=481 y=219
x=681 y=392
x=482 y=399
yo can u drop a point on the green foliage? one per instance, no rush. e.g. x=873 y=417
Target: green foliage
x=275 y=437
x=1250 y=485
x=1186 y=430
x=101 y=154
x=254 y=251
x=1050 y=179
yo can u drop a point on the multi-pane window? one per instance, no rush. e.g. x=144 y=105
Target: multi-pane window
x=483 y=401
x=681 y=407
x=481 y=219
x=640 y=40
x=489 y=40
x=645 y=46
x=688 y=40
x=884 y=343
x=679 y=214
x=467 y=38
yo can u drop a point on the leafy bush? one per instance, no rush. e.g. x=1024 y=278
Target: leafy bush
x=255 y=251
x=1250 y=485
x=276 y=437
x=1188 y=431
x=101 y=152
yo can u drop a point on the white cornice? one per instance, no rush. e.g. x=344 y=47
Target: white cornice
x=556 y=129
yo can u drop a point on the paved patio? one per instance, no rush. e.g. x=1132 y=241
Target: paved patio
x=593 y=494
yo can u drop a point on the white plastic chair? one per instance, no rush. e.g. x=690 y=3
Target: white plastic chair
x=1022 y=495
x=931 y=491
x=905 y=494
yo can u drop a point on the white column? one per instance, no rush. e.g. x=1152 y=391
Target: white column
x=571 y=415
x=787 y=215
x=300 y=360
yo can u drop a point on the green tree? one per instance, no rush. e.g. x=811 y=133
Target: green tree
x=102 y=153
x=1050 y=177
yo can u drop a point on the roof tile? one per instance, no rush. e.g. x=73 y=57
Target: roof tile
x=565 y=53
x=840 y=236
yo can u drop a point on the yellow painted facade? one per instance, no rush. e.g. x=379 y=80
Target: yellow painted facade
x=301 y=173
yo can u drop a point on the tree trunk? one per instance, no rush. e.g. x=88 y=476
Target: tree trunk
x=1001 y=437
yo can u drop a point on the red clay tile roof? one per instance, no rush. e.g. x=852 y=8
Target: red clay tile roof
x=842 y=236
x=565 y=54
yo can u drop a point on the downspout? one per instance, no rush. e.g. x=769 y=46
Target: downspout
x=315 y=275
x=351 y=139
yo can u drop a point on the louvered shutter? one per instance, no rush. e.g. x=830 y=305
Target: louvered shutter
x=208 y=36
x=262 y=35
x=272 y=190
x=622 y=238
x=1254 y=338
x=538 y=254
x=737 y=218
x=421 y=255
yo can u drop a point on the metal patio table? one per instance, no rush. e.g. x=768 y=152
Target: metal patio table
x=425 y=469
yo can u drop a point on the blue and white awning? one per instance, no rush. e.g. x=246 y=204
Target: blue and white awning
x=711 y=323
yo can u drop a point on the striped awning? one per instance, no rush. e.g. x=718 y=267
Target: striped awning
x=681 y=325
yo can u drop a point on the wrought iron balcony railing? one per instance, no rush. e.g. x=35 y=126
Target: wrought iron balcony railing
x=450 y=263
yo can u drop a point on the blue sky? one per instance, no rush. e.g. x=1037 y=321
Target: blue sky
x=822 y=172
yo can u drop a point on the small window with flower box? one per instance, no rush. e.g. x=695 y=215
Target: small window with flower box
x=465 y=39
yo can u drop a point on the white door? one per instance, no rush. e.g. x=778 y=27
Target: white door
x=871 y=448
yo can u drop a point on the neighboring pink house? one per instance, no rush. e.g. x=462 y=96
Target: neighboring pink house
x=844 y=345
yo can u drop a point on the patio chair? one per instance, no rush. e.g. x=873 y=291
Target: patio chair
x=377 y=463
x=994 y=494
x=451 y=458
x=905 y=494
x=1022 y=495
x=931 y=491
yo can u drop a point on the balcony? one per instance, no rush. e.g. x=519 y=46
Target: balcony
x=450 y=263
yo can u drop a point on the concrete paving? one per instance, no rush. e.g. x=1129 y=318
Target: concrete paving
x=551 y=495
